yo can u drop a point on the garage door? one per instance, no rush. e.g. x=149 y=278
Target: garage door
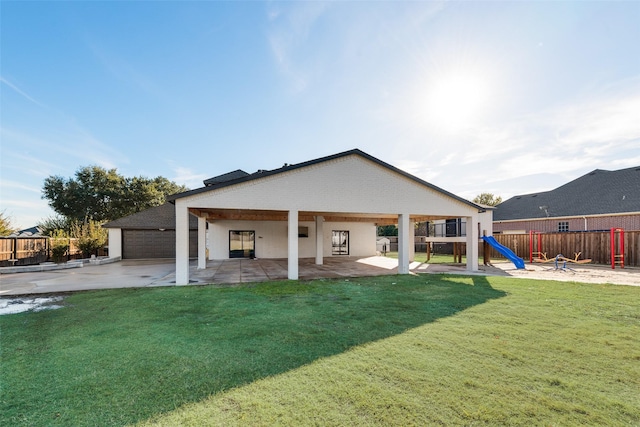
x=140 y=244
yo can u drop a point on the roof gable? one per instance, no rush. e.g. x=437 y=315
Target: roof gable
x=287 y=168
x=599 y=192
x=158 y=217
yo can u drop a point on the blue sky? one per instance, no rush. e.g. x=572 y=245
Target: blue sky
x=502 y=97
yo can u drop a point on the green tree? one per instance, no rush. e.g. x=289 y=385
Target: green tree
x=6 y=227
x=90 y=236
x=387 y=230
x=54 y=223
x=98 y=194
x=487 y=199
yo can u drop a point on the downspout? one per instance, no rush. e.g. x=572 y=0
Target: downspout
x=585 y=223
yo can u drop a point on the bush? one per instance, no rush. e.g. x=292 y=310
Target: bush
x=91 y=236
x=59 y=244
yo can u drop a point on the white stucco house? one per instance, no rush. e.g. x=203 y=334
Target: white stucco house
x=327 y=207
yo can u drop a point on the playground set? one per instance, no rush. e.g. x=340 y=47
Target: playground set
x=616 y=237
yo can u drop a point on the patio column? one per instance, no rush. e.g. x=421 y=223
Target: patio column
x=412 y=241
x=403 y=244
x=472 y=243
x=293 y=245
x=182 y=243
x=319 y=240
x=202 y=243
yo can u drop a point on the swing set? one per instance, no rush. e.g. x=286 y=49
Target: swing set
x=541 y=257
x=616 y=240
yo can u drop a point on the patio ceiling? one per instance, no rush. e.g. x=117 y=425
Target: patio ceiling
x=271 y=215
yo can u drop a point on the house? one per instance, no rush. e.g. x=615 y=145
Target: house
x=599 y=200
x=34 y=231
x=321 y=208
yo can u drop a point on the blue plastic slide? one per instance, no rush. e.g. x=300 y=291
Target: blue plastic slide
x=508 y=253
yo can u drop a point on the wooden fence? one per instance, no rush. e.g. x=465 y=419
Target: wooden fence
x=594 y=245
x=33 y=250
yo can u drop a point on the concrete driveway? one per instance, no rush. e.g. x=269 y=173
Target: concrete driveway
x=161 y=272
x=123 y=274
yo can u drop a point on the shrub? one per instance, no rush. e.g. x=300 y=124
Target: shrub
x=91 y=236
x=59 y=244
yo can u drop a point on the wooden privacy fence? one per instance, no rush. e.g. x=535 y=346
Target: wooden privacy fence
x=23 y=250
x=595 y=245
x=34 y=250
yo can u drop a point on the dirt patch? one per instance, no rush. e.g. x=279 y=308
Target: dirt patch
x=570 y=273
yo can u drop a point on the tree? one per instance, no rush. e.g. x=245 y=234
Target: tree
x=6 y=227
x=103 y=195
x=487 y=199
x=54 y=223
x=387 y=230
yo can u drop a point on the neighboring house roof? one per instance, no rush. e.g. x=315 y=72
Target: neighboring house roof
x=159 y=217
x=229 y=176
x=599 y=192
x=265 y=173
x=34 y=231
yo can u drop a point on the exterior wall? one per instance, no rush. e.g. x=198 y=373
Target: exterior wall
x=486 y=222
x=115 y=243
x=271 y=238
x=347 y=184
x=628 y=222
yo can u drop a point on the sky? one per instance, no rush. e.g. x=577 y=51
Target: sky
x=505 y=97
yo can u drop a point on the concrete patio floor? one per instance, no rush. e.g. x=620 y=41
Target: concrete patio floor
x=260 y=270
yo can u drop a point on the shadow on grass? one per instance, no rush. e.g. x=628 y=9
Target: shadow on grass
x=116 y=357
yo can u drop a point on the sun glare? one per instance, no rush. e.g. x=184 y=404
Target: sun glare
x=455 y=101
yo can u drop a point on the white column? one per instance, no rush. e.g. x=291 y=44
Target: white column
x=403 y=244
x=115 y=243
x=293 y=245
x=182 y=243
x=412 y=241
x=319 y=240
x=202 y=243
x=472 y=243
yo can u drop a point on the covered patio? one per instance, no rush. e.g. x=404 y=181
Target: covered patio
x=350 y=191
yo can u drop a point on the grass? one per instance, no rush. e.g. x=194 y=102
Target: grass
x=435 y=258
x=370 y=351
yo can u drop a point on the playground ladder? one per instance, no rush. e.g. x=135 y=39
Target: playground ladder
x=617 y=258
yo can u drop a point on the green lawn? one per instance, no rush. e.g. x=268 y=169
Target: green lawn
x=435 y=258
x=421 y=350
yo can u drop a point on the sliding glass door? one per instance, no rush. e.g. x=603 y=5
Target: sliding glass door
x=242 y=244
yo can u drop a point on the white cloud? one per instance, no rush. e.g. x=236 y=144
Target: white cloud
x=288 y=33
x=186 y=176
x=21 y=92
x=4 y=184
x=534 y=152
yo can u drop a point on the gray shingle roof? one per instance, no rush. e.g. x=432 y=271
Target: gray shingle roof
x=229 y=176
x=163 y=216
x=599 y=192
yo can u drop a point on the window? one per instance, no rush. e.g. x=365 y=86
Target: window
x=563 y=226
x=242 y=244
x=303 y=231
x=339 y=242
